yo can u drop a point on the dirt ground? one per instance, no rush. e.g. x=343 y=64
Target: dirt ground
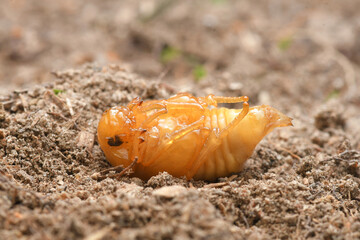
x=301 y=57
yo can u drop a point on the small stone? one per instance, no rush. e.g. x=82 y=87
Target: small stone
x=170 y=191
x=2 y=112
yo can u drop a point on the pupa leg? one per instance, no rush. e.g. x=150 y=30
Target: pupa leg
x=171 y=105
x=181 y=106
x=198 y=148
x=215 y=100
x=165 y=106
x=180 y=95
x=164 y=146
x=225 y=131
x=231 y=99
x=179 y=102
x=214 y=140
x=151 y=107
x=200 y=103
x=135 y=149
x=122 y=170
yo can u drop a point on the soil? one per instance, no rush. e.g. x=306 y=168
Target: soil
x=301 y=57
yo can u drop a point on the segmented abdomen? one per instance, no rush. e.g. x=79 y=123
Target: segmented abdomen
x=222 y=161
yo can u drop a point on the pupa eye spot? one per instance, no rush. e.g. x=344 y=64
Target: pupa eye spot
x=115 y=141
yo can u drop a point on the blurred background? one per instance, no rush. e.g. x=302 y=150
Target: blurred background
x=280 y=51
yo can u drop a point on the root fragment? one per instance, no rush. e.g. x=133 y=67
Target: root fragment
x=127 y=170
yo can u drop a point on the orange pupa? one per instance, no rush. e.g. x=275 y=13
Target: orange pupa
x=185 y=135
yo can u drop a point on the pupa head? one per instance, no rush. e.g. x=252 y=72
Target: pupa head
x=115 y=134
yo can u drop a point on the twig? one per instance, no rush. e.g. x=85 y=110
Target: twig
x=312 y=197
x=216 y=185
x=100 y=234
x=333 y=192
x=286 y=150
x=232 y=177
x=298 y=226
x=244 y=219
x=116 y=168
x=24 y=102
x=127 y=168
x=57 y=101
x=71 y=110
x=73 y=120
x=59 y=115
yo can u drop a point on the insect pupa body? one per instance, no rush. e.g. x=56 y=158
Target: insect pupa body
x=191 y=137
x=240 y=143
